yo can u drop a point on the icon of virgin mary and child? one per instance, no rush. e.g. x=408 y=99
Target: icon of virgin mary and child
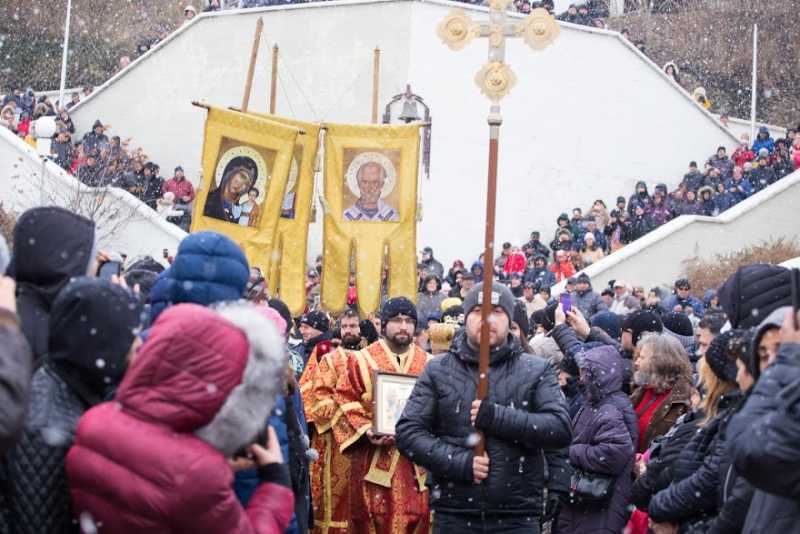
x=226 y=201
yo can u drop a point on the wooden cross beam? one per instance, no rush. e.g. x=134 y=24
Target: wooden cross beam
x=495 y=79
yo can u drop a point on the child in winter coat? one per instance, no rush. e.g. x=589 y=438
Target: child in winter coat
x=197 y=392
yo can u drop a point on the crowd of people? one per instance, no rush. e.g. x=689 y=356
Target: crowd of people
x=177 y=398
x=586 y=237
x=100 y=160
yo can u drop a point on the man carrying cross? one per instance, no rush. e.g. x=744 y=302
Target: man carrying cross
x=524 y=415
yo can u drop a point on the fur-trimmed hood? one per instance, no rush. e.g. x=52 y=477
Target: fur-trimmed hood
x=247 y=407
x=214 y=373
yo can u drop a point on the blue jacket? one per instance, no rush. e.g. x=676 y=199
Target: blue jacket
x=246 y=482
x=723 y=201
x=739 y=190
x=543 y=277
x=764 y=444
x=673 y=300
x=760 y=143
x=208 y=268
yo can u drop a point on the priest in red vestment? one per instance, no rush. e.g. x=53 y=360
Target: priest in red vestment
x=388 y=493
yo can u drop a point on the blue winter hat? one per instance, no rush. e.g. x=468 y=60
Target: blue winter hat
x=208 y=268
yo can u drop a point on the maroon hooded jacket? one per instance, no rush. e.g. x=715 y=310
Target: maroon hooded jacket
x=155 y=459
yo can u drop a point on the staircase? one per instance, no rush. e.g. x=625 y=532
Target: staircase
x=124 y=224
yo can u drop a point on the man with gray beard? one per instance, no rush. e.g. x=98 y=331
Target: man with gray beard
x=662 y=377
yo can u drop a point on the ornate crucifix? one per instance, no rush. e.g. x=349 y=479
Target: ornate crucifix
x=495 y=80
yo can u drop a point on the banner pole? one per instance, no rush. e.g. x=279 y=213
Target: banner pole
x=273 y=88
x=251 y=70
x=376 y=75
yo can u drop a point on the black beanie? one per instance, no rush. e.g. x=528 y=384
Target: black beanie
x=639 y=322
x=608 y=322
x=283 y=310
x=316 y=319
x=398 y=306
x=546 y=317
x=753 y=292
x=717 y=356
x=678 y=323
x=521 y=318
x=368 y=331
x=454 y=315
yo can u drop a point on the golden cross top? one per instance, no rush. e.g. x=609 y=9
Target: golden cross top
x=496 y=78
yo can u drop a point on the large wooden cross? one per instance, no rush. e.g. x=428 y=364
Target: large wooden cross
x=495 y=80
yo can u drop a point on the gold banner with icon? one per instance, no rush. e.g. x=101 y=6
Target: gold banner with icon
x=246 y=162
x=287 y=274
x=370 y=206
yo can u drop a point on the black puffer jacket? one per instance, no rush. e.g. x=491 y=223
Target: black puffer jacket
x=765 y=445
x=91 y=330
x=736 y=491
x=695 y=493
x=663 y=454
x=524 y=413
x=37 y=489
x=51 y=246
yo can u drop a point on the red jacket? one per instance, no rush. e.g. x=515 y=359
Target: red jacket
x=741 y=156
x=515 y=263
x=137 y=466
x=563 y=270
x=181 y=189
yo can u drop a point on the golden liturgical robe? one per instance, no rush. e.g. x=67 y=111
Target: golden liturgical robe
x=330 y=474
x=388 y=494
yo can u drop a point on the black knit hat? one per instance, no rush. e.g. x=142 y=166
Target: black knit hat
x=678 y=323
x=545 y=317
x=398 y=306
x=639 y=322
x=283 y=310
x=316 y=319
x=718 y=355
x=521 y=318
x=608 y=322
x=753 y=292
x=454 y=315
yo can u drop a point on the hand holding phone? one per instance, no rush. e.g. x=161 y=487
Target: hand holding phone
x=566 y=302
x=109 y=269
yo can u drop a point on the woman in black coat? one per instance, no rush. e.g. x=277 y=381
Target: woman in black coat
x=92 y=332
